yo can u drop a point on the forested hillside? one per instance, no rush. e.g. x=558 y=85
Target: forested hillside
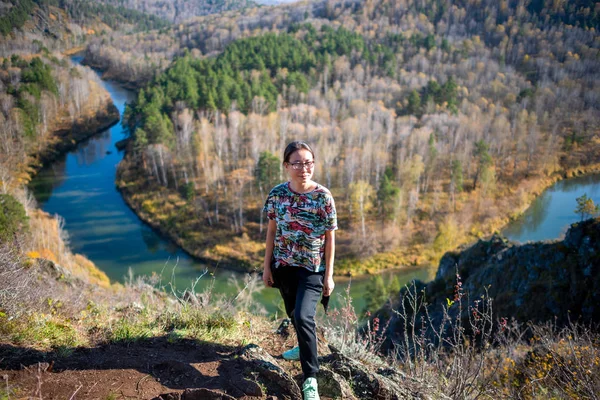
x=180 y=10
x=431 y=120
x=47 y=105
x=44 y=97
x=40 y=95
x=28 y=27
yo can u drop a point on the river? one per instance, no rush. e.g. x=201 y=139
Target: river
x=80 y=187
x=551 y=213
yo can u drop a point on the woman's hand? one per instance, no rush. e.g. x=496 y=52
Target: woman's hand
x=267 y=273
x=267 y=277
x=328 y=285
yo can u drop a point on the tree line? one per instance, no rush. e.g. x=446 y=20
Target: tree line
x=36 y=94
x=426 y=115
x=18 y=13
x=177 y=11
x=80 y=12
x=115 y=16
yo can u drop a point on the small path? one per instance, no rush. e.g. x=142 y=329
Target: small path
x=140 y=370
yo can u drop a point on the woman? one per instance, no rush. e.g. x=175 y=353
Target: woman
x=300 y=252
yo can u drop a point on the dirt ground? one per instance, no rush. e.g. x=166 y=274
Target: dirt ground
x=140 y=370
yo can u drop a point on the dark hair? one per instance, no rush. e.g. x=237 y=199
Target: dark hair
x=295 y=146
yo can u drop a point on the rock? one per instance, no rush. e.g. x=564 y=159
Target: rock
x=546 y=281
x=195 y=394
x=333 y=385
x=247 y=387
x=258 y=365
x=368 y=384
x=168 y=396
x=204 y=394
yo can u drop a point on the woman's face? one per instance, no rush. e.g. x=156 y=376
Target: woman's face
x=300 y=166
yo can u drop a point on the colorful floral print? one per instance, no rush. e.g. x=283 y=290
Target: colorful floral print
x=302 y=220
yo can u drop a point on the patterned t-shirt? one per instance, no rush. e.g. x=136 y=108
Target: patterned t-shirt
x=302 y=220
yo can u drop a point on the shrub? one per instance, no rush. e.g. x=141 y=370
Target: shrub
x=13 y=219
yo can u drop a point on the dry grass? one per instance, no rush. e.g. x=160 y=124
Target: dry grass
x=478 y=357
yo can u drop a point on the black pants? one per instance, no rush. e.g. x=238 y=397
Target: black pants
x=301 y=290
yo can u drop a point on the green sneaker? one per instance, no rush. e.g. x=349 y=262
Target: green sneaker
x=310 y=389
x=292 y=354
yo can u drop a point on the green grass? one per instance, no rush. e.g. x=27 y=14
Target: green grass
x=45 y=331
x=198 y=324
x=125 y=331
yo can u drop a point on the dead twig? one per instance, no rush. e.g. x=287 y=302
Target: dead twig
x=74 y=393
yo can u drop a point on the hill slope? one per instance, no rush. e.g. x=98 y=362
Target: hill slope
x=552 y=281
x=433 y=123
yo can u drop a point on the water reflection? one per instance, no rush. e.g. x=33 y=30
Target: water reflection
x=151 y=239
x=43 y=184
x=93 y=149
x=551 y=214
x=533 y=219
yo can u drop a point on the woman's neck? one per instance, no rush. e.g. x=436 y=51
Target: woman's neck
x=303 y=187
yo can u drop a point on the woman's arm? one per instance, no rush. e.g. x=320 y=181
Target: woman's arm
x=328 y=283
x=267 y=275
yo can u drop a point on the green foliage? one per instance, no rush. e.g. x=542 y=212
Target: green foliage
x=298 y=80
x=586 y=207
x=443 y=95
x=29 y=113
x=414 y=103
x=45 y=331
x=13 y=218
x=267 y=170
x=485 y=173
x=17 y=15
x=429 y=42
x=82 y=11
x=199 y=323
x=525 y=93
x=188 y=191
x=252 y=67
x=573 y=140
x=36 y=77
x=481 y=152
x=457 y=176
x=387 y=195
x=126 y=331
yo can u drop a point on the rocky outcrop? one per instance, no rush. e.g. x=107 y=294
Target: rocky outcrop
x=251 y=373
x=367 y=383
x=195 y=394
x=556 y=281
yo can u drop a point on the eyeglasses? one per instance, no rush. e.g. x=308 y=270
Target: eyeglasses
x=298 y=165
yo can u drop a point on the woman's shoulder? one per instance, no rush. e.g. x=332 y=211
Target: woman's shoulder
x=280 y=189
x=323 y=190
